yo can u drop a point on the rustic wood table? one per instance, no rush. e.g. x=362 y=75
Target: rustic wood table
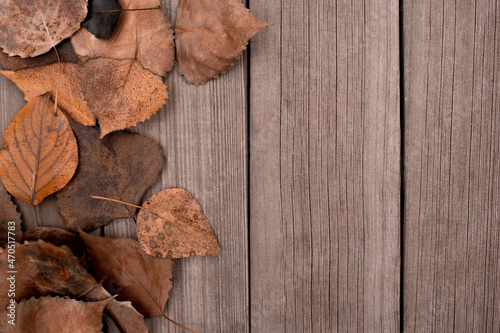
x=350 y=166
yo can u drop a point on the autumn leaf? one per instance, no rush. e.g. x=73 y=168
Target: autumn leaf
x=135 y=276
x=55 y=314
x=173 y=225
x=121 y=165
x=37 y=81
x=51 y=270
x=59 y=237
x=10 y=218
x=31 y=28
x=121 y=93
x=64 y=49
x=41 y=265
x=144 y=35
x=40 y=155
x=210 y=35
x=102 y=18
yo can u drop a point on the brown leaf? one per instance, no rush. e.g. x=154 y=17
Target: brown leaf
x=9 y=214
x=173 y=225
x=39 y=267
x=135 y=276
x=121 y=165
x=210 y=35
x=154 y=45
x=59 y=237
x=39 y=80
x=40 y=154
x=55 y=314
x=121 y=93
x=24 y=24
x=65 y=50
x=126 y=317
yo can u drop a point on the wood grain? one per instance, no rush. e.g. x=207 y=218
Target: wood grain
x=452 y=158
x=203 y=131
x=324 y=167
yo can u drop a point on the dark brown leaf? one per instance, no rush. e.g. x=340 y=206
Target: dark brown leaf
x=135 y=276
x=30 y=28
x=10 y=218
x=121 y=165
x=40 y=155
x=172 y=225
x=210 y=35
x=55 y=315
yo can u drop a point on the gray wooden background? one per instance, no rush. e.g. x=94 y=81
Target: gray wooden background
x=350 y=166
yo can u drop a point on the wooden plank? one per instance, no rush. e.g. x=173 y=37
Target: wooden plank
x=452 y=158
x=324 y=167
x=204 y=134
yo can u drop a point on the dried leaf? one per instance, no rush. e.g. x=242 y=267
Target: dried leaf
x=121 y=93
x=102 y=18
x=39 y=80
x=65 y=50
x=173 y=225
x=39 y=267
x=40 y=154
x=126 y=317
x=210 y=35
x=153 y=47
x=55 y=314
x=41 y=264
x=121 y=165
x=59 y=237
x=9 y=214
x=135 y=276
x=24 y=24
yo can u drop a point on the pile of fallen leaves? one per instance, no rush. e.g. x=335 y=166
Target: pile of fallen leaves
x=88 y=72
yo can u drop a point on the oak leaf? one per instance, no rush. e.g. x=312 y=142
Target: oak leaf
x=41 y=154
x=173 y=225
x=9 y=214
x=144 y=35
x=135 y=276
x=121 y=165
x=37 y=81
x=210 y=35
x=31 y=28
x=55 y=314
x=102 y=18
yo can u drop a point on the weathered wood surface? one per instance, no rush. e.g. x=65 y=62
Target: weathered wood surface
x=324 y=167
x=452 y=159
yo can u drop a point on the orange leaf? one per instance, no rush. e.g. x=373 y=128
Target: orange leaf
x=210 y=35
x=36 y=81
x=173 y=225
x=146 y=36
x=121 y=93
x=25 y=26
x=40 y=155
